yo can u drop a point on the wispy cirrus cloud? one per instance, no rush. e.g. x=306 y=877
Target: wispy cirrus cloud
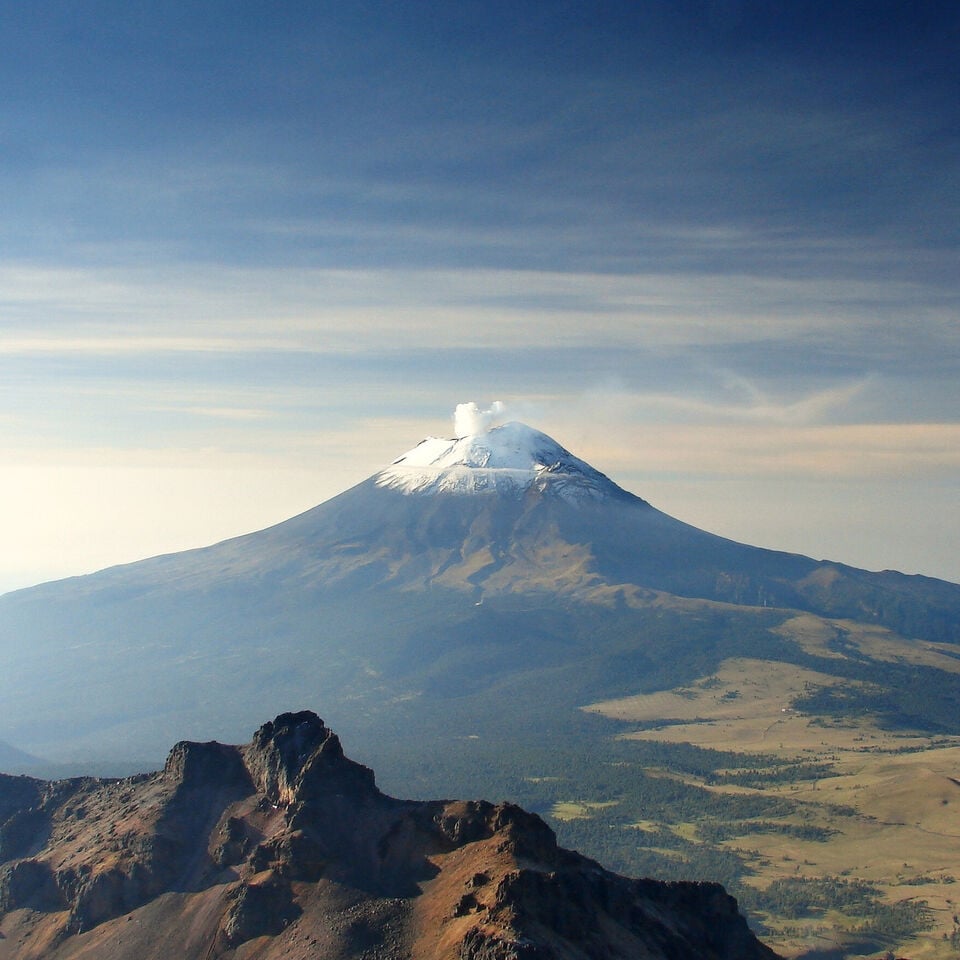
x=263 y=309
x=892 y=451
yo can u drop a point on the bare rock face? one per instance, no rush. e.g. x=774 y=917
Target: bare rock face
x=286 y=848
x=295 y=758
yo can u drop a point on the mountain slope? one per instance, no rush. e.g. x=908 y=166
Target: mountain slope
x=285 y=848
x=491 y=569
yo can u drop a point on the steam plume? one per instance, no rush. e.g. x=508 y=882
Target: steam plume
x=469 y=419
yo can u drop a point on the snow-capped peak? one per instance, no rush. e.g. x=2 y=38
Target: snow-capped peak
x=508 y=459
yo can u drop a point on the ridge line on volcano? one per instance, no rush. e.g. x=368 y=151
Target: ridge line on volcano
x=509 y=459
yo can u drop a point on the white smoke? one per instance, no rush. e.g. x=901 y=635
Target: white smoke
x=469 y=419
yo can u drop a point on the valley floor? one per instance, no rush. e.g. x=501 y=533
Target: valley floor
x=878 y=806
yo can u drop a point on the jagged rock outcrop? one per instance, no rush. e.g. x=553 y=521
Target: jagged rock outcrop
x=285 y=847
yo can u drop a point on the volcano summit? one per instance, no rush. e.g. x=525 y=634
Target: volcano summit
x=474 y=587
x=510 y=460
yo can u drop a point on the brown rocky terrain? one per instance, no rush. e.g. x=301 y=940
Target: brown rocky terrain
x=284 y=848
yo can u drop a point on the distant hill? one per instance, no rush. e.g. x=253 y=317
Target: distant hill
x=13 y=760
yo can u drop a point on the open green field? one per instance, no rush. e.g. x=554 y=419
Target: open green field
x=874 y=813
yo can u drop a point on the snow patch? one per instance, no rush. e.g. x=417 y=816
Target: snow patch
x=509 y=459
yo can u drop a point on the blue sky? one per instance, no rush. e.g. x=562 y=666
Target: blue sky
x=251 y=253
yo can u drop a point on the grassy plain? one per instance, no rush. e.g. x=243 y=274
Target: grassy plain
x=579 y=809
x=887 y=802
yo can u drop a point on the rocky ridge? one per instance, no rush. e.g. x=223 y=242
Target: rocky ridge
x=286 y=848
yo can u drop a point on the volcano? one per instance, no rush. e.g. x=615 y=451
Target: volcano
x=475 y=585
